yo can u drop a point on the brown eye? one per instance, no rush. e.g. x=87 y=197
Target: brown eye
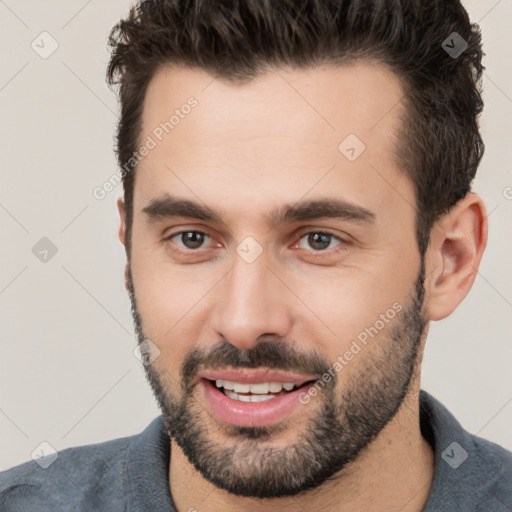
x=318 y=241
x=190 y=239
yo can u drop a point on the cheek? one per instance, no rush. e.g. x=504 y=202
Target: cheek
x=352 y=306
x=168 y=303
x=169 y=319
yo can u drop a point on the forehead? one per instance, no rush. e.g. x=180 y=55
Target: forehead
x=313 y=103
x=286 y=133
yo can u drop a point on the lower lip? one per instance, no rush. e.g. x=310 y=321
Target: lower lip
x=250 y=414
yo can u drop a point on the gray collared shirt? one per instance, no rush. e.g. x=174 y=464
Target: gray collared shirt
x=130 y=474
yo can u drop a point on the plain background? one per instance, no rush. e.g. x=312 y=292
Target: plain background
x=68 y=375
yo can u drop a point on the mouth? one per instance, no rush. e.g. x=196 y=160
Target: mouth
x=250 y=399
x=253 y=393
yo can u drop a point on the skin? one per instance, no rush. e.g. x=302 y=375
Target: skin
x=244 y=151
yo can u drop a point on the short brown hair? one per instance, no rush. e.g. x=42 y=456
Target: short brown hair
x=439 y=146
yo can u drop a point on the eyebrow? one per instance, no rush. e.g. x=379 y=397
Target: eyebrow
x=167 y=206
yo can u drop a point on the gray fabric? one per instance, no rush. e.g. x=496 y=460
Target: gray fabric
x=130 y=474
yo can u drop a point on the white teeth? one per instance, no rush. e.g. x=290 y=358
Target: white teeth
x=259 y=389
x=275 y=387
x=241 y=388
x=226 y=384
x=248 y=398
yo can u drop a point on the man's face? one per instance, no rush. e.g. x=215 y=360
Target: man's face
x=262 y=299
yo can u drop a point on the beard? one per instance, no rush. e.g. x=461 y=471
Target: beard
x=245 y=461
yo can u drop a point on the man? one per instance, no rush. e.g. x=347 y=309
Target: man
x=297 y=210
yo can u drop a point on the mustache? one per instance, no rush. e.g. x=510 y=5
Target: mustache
x=269 y=354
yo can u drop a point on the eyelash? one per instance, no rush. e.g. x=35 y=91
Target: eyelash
x=322 y=252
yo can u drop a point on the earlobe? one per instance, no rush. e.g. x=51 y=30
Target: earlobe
x=122 y=226
x=458 y=241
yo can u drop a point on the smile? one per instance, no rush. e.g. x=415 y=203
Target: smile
x=252 y=404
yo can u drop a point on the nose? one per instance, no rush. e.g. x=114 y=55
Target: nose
x=251 y=303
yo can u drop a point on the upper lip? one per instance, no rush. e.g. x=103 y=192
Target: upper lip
x=254 y=376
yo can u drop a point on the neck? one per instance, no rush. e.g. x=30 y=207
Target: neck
x=394 y=472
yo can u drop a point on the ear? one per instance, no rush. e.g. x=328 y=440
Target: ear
x=122 y=238
x=457 y=243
